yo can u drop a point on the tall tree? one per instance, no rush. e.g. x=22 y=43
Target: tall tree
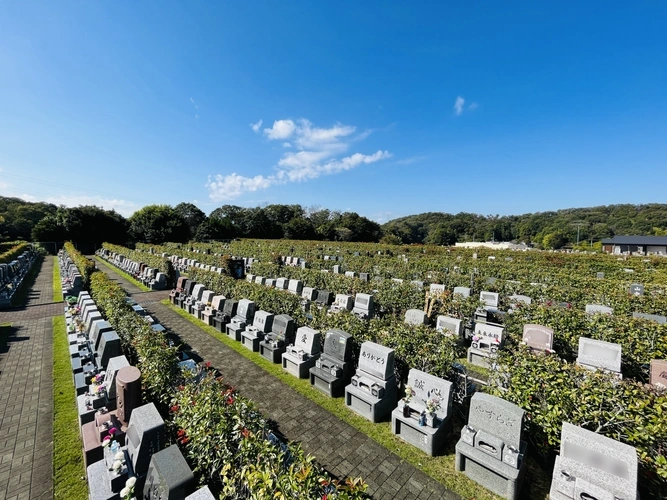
x=158 y=224
x=192 y=215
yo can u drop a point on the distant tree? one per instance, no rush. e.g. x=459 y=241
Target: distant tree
x=299 y=228
x=555 y=240
x=390 y=239
x=82 y=225
x=192 y=215
x=158 y=224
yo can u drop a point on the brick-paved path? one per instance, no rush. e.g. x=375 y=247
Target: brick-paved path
x=339 y=447
x=26 y=397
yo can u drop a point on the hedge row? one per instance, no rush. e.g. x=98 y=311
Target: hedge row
x=155 y=261
x=85 y=266
x=240 y=458
x=12 y=250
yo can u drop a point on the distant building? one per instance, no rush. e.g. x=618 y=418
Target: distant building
x=494 y=245
x=644 y=245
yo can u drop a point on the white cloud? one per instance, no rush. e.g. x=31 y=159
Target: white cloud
x=411 y=160
x=256 y=126
x=320 y=152
x=282 y=129
x=473 y=106
x=458 y=105
x=193 y=103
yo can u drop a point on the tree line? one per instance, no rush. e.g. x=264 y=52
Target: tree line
x=185 y=222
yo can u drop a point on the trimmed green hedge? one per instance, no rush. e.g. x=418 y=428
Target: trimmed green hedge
x=85 y=266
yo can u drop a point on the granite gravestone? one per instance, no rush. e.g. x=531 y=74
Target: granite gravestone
x=426 y=387
x=636 y=289
x=169 y=477
x=462 y=291
x=650 y=317
x=491 y=449
x=449 y=325
x=342 y=302
x=598 y=354
x=415 y=317
x=299 y=358
x=245 y=313
x=308 y=293
x=363 y=306
x=489 y=299
x=598 y=309
x=539 y=338
x=333 y=369
x=659 y=372
x=436 y=289
x=592 y=466
x=372 y=391
x=487 y=339
x=253 y=334
x=282 y=334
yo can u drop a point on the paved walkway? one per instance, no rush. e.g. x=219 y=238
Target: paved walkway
x=26 y=397
x=339 y=447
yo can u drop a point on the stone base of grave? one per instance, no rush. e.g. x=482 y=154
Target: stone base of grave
x=219 y=325
x=298 y=367
x=234 y=331
x=428 y=439
x=251 y=341
x=481 y=357
x=93 y=451
x=368 y=406
x=496 y=476
x=201 y=494
x=273 y=354
x=88 y=414
x=592 y=368
x=327 y=383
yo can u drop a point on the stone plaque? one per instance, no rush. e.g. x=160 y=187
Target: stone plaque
x=376 y=360
x=538 y=337
x=659 y=372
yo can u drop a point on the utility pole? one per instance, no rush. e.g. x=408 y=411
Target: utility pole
x=579 y=224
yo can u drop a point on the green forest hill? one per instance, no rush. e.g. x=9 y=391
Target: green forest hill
x=183 y=222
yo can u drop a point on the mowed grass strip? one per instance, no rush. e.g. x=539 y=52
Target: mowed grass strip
x=68 y=468
x=57 y=285
x=122 y=273
x=440 y=468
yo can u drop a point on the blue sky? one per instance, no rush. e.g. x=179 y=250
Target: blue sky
x=383 y=108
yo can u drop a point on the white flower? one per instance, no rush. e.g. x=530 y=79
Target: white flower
x=131 y=482
x=117 y=465
x=124 y=492
x=120 y=456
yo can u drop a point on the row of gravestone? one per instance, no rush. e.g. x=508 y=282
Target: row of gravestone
x=361 y=304
x=150 y=277
x=12 y=275
x=123 y=440
x=238 y=264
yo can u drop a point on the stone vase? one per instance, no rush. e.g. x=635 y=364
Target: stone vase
x=430 y=420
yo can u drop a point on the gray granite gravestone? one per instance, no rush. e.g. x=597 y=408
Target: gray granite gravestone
x=363 y=306
x=308 y=293
x=539 y=338
x=436 y=289
x=275 y=342
x=426 y=387
x=487 y=340
x=97 y=329
x=108 y=347
x=592 y=466
x=415 y=317
x=169 y=477
x=636 y=289
x=245 y=313
x=253 y=334
x=650 y=317
x=372 y=391
x=598 y=309
x=342 y=302
x=295 y=287
x=333 y=369
x=463 y=291
x=598 y=354
x=491 y=449
x=489 y=299
x=300 y=357
x=449 y=325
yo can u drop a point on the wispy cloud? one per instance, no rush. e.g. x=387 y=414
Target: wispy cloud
x=319 y=151
x=123 y=207
x=193 y=103
x=458 y=105
x=256 y=126
x=411 y=160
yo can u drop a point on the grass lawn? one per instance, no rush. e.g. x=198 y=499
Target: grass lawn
x=68 y=466
x=57 y=286
x=122 y=273
x=441 y=468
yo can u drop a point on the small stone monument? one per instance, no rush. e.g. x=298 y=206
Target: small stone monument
x=463 y=291
x=245 y=313
x=487 y=340
x=592 y=466
x=333 y=369
x=282 y=334
x=598 y=309
x=449 y=326
x=300 y=357
x=372 y=391
x=425 y=389
x=539 y=338
x=415 y=317
x=598 y=354
x=659 y=373
x=491 y=448
x=650 y=317
x=169 y=477
x=253 y=334
x=363 y=306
